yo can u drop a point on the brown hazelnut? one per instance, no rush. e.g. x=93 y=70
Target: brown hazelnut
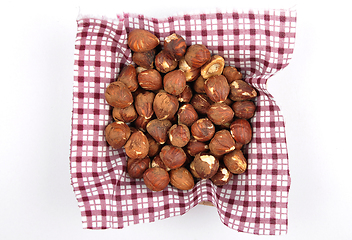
x=172 y=156
x=201 y=103
x=137 y=145
x=244 y=109
x=181 y=179
x=203 y=129
x=157 y=162
x=164 y=63
x=198 y=85
x=140 y=40
x=241 y=131
x=156 y=178
x=179 y=135
x=232 y=74
x=144 y=59
x=165 y=105
x=220 y=113
x=144 y=104
x=126 y=115
x=214 y=67
x=194 y=147
x=241 y=91
x=222 y=143
x=187 y=115
x=222 y=176
x=150 y=79
x=128 y=76
x=190 y=73
x=175 y=82
x=205 y=165
x=154 y=146
x=197 y=55
x=158 y=129
x=118 y=95
x=117 y=134
x=141 y=123
x=186 y=95
x=235 y=161
x=217 y=88
x=175 y=46
x=137 y=166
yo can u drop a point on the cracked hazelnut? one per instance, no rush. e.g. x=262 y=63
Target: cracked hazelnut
x=144 y=59
x=222 y=143
x=190 y=73
x=241 y=131
x=137 y=145
x=214 y=67
x=194 y=147
x=197 y=55
x=179 y=135
x=137 y=166
x=203 y=129
x=175 y=46
x=173 y=157
x=158 y=129
x=220 y=113
x=181 y=178
x=165 y=105
x=235 y=162
x=217 y=88
x=222 y=176
x=244 y=109
x=140 y=40
x=187 y=115
x=128 y=76
x=175 y=82
x=232 y=74
x=126 y=115
x=150 y=79
x=164 y=63
x=241 y=91
x=118 y=95
x=156 y=178
x=205 y=165
x=117 y=134
x=144 y=104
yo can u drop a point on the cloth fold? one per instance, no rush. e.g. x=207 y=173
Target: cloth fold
x=257 y=42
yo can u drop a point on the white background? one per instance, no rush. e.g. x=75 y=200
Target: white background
x=36 y=72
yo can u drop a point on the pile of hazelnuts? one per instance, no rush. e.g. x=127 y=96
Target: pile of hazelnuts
x=180 y=114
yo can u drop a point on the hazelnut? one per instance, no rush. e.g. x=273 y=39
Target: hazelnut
x=175 y=82
x=241 y=91
x=118 y=95
x=172 y=156
x=203 y=129
x=141 y=123
x=187 y=115
x=126 y=115
x=197 y=55
x=150 y=79
x=190 y=73
x=144 y=104
x=165 y=105
x=235 y=162
x=201 y=103
x=140 y=40
x=158 y=129
x=186 y=95
x=205 y=165
x=232 y=74
x=220 y=113
x=156 y=178
x=222 y=143
x=164 y=63
x=154 y=146
x=181 y=178
x=222 y=176
x=194 y=147
x=144 y=59
x=217 y=88
x=198 y=85
x=175 y=46
x=244 y=109
x=179 y=135
x=128 y=76
x=214 y=67
x=157 y=162
x=241 y=131
x=137 y=166
x=137 y=145
x=117 y=134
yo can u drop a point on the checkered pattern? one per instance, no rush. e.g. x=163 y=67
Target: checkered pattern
x=259 y=43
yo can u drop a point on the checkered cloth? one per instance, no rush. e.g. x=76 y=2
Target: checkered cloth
x=257 y=42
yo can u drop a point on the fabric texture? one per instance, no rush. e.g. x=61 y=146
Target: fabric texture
x=257 y=42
